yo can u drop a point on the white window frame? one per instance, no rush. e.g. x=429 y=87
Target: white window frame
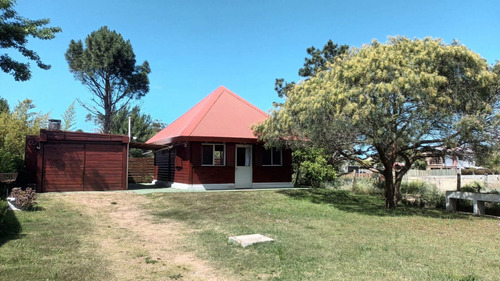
x=213 y=154
x=272 y=155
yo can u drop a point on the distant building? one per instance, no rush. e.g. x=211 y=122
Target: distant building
x=450 y=162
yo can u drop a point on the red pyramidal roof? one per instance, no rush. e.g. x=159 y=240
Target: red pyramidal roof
x=222 y=114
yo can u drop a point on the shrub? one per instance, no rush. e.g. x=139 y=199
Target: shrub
x=361 y=185
x=311 y=167
x=4 y=208
x=423 y=193
x=24 y=199
x=414 y=187
x=473 y=171
x=473 y=187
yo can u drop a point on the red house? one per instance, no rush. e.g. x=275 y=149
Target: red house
x=212 y=146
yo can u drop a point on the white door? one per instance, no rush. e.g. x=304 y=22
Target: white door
x=243 y=167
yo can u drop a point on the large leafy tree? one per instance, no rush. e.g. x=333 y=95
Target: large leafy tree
x=14 y=33
x=487 y=154
x=106 y=65
x=143 y=127
x=386 y=106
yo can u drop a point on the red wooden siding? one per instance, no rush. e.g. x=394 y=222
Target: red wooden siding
x=212 y=174
x=272 y=173
x=63 y=167
x=183 y=165
x=30 y=154
x=103 y=167
x=188 y=168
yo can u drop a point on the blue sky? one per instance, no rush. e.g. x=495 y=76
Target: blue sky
x=193 y=47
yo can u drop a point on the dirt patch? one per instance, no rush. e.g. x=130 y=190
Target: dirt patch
x=134 y=245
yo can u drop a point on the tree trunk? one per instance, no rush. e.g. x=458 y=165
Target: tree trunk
x=297 y=175
x=390 y=190
x=106 y=126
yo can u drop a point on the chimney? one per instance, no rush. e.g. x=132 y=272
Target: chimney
x=54 y=125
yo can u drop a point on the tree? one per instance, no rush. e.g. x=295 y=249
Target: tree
x=487 y=154
x=310 y=164
x=106 y=66
x=317 y=62
x=386 y=106
x=143 y=126
x=14 y=126
x=4 y=105
x=14 y=32
x=69 y=118
x=311 y=167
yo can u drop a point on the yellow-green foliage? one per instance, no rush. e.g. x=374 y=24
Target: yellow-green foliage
x=391 y=103
x=14 y=126
x=407 y=82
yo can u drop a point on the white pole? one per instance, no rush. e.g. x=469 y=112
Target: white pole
x=128 y=147
x=129 y=128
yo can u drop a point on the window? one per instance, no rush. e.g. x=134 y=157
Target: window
x=272 y=157
x=212 y=155
x=436 y=161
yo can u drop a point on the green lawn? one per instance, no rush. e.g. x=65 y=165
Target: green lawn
x=320 y=235
x=333 y=235
x=48 y=244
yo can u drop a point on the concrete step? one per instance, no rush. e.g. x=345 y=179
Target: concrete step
x=247 y=240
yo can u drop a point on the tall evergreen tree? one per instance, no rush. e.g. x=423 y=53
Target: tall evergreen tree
x=317 y=61
x=106 y=65
x=143 y=127
x=4 y=105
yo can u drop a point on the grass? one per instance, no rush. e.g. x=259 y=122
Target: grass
x=48 y=244
x=333 y=235
x=320 y=235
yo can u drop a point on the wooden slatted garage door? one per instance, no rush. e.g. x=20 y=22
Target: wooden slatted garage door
x=63 y=167
x=103 y=167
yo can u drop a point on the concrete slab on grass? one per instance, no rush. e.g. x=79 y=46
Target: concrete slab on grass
x=247 y=240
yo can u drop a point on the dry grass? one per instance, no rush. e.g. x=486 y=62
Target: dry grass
x=112 y=231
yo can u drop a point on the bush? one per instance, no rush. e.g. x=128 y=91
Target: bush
x=473 y=171
x=473 y=187
x=4 y=208
x=361 y=185
x=423 y=194
x=9 y=161
x=24 y=199
x=414 y=187
x=311 y=167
